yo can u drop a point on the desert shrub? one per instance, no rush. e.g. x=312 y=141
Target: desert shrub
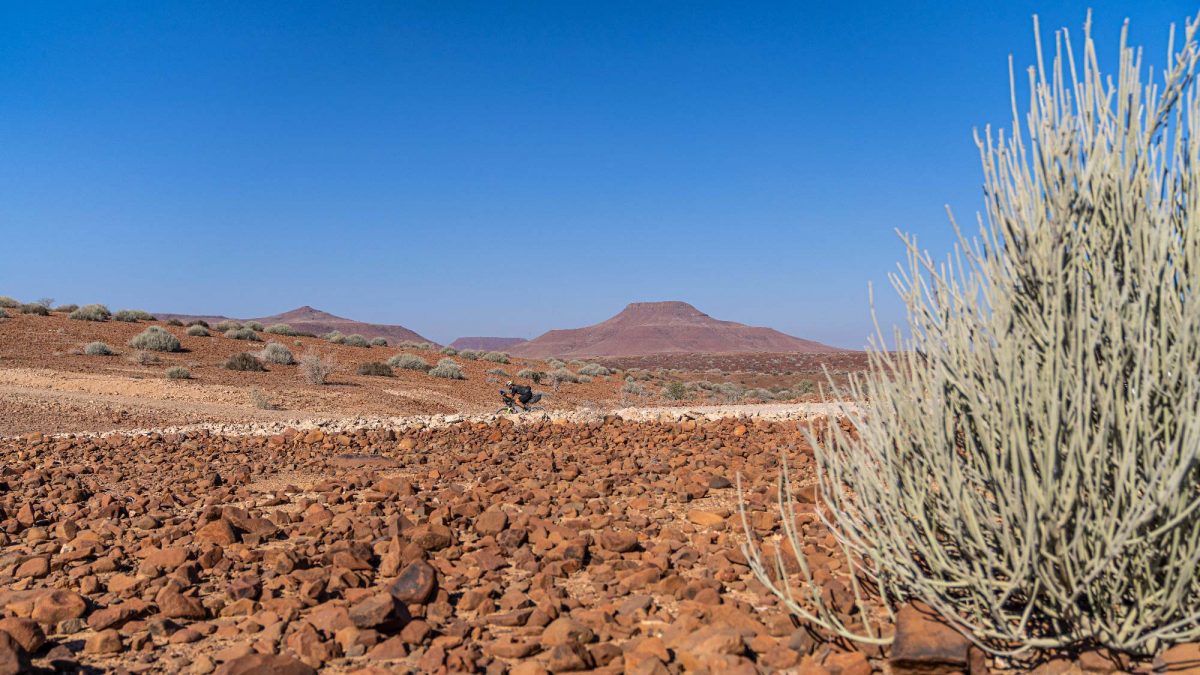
x=335 y=337
x=175 y=322
x=178 y=373
x=254 y=326
x=556 y=363
x=633 y=389
x=91 y=313
x=145 y=358
x=408 y=362
x=227 y=325
x=97 y=349
x=260 y=400
x=9 y=303
x=155 y=339
x=356 y=340
x=4 y=314
x=199 y=322
x=244 y=362
x=316 y=370
x=280 y=329
x=675 y=391
x=449 y=351
x=1027 y=464
x=495 y=357
x=378 y=342
x=276 y=353
x=197 y=331
x=534 y=375
x=66 y=309
x=132 y=316
x=34 y=308
x=561 y=375
x=448 y=369
x=584 y=379
x=413 y=344
x=594 y=370
x=242 y=334
x=376 y=369
x=470 y=354
x=497 y=371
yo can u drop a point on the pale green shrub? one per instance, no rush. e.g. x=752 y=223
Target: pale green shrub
x=335 y=337
x=178 y=373
x=254 y=326
x=561 y=375
x=495 y=357
x=449 y=351
x=91 y=313
x=356 y=340
x=281 y=329
x=9 y=303
x=242 y=334
x=448 y=369
x=155 y=339
x=675 y=391
x=529 y=374
x=4 y=314
x=470 y=354
x=66 y=309
x=197 y=331
x=1025 y=461
x=409 y=362
x=556 y=363
x=378 y=342
x=315 y=369
x=97 y=349
x=594 y=370
x=413 y=344
x=276 y=353
x=133 y=315
x=376 y=369
x=227 y=325
x=35 y=308
x=245 y=362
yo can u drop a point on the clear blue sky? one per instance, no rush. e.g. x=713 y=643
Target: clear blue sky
x=502 y=168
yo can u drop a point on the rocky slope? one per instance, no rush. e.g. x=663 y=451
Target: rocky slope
x=311 y=320
x=663 y=327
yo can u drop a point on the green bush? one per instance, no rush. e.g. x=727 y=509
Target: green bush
x=495 y=357
x=197 y=331
x=132 y=316
x=242 y=334
x=316 y=370
x=449 y=351
x=155 y=339
x=4 y=314
x=594 y=370
x=9 y=303
x=178 y=373
x=199 y=322
x=534 y=375
x=227 y=325
x=254 y=326
x=376 y=369
x=245 y=362
x=175 y=322
x=356 y=340
x=39 y=310
x=97 y=349
x=91 y=313
x=633 y=389
x=556 y=363
x=334 y=337
x=448 y=369
x=470 y=354
x=1026 y=462
x=409 y=362
x=66 y=309
x=378 y=342
x=413 y=344
x=675 y=391
x=276 y=353
x=497 y=371
x=560 y=375
x=281 y=329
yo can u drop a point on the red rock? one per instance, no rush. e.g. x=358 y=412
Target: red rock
x=104 y=642
x=265 y=664
x=174 y=605
x=431 y=537
x=13 y=657
x=569 y=657
x=218 y=532
x=373 y=610
x=58 y=605
x=26 y=632
x=564 y=630
x=1179 y=658
x=416 y=583
x=390 y=649
x=618 y=541
x=491 y=522
x=924 y=644
x=848 y=663
x=309 y=646
x=34 y=568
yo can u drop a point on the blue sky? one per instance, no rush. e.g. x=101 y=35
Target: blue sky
x=503 y=168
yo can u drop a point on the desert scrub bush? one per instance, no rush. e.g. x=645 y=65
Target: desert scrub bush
x=534 y=376
x=495 y=357
x=414 y=344
x=227 y=325
x=91 y=313
x=197 y=331
x=409 y=362
x=1027 y=464
x=66 y=309
x=199 y=322
x=178 y=373
x=556 y=363
x=470 y=354
x=9 y=303
x=584 y=379
x=132 y=316
x=276 y=353
x=36 y=309
x=280 y=329
x=155 y=339
x=335 y=337
x=242 y=334
x=144 y=358
x=175 y=322
x=449 y=351
x=260 y=400
x=378 y=342
x=633 y=389
x=497 y=371
x=675 y=391
x=254 y=326
x=244 y=362
x=4 y=314
x=594 y=370
x=97 y=349
x=560 y=375
x=448 y=369
x=376 y=369
x=315 y=369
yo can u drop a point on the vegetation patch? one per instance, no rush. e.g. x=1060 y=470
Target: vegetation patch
x=97 y=349
x=155 y=339
x=448 y=369
x=376 y=369
x=409 y=362
x=91 y=313
x=242 y=334
x=245 y=362
x=178 y=373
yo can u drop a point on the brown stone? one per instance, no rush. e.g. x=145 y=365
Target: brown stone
x=58 y=605
x=924 y=644
x=564 y=630
x=26 y=632
x=372 y=610
x=174 y=605
x=13 y=657
x=1179 y=658
x=491 y=522
x=218 y=532
x=34 y=568
x=264 y=664
x=618 y=541
x=416 y=583
x=104 y=642
x=569 y=657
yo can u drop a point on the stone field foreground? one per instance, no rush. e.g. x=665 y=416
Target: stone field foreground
x=490 y=547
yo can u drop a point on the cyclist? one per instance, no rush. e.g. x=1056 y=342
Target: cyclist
x=523 y=394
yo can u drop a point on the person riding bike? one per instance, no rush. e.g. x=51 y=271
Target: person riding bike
x=523 y=394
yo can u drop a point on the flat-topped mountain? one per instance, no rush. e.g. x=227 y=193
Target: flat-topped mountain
x=311 y=320
x=663 y=327
x=490 y=344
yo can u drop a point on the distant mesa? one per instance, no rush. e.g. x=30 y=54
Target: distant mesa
x=311 y=320
x=644 y=328
x=491 y=344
